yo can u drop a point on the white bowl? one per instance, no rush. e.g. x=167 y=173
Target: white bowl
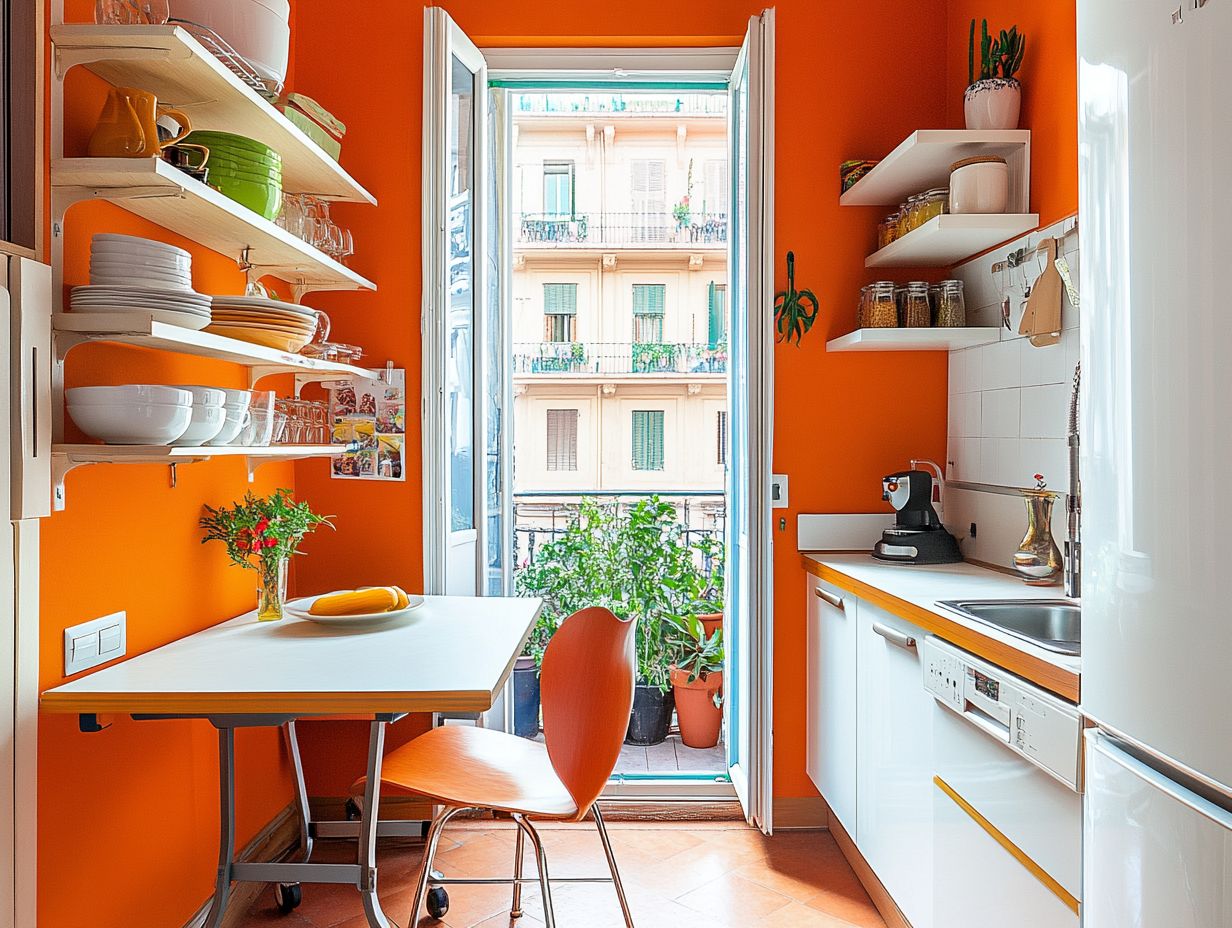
x=148 y=424
x=237 y=398
x=133 y=394
x=206 y=423
x=236 y=420
x=259 y=33
x=206 y=396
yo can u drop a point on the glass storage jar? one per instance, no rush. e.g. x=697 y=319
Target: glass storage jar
x=881 y=312
x=917 y=314
x=931 y=204
x=887 y=230
x=950 y=304
x=906 y=216
x=862 y=306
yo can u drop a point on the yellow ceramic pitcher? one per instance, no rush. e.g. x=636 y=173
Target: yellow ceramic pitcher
x=127 y=127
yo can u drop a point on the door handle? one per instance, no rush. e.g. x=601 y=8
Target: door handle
x=894 y=636
x=827 y=596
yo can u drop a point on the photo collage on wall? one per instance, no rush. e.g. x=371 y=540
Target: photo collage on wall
x=371 y=413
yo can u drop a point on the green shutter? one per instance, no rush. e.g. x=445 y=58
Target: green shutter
x=560 y=299
x=718 y=314
x=649 y=299
x=648 y=439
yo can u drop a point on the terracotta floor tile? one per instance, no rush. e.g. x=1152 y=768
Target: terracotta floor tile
x=733 y=900
x=798 y=915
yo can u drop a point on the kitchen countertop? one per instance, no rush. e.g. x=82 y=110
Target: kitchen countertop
x=912 y=592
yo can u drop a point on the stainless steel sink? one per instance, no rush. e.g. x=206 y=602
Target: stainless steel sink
x=1053 y=624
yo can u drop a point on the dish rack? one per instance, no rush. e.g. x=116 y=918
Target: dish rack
x=236 y=63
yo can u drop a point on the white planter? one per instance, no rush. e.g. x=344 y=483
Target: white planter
x=993 y=104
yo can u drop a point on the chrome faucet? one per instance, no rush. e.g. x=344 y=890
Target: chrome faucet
x=1073 y=501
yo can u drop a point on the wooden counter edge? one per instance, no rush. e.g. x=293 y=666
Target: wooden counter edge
x=1058 y=680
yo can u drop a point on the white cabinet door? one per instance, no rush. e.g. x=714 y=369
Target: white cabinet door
x=1146 y=831
x=831 y=758
x=895 y=763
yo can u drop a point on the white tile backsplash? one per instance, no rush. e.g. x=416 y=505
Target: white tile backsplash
x=1008 y=405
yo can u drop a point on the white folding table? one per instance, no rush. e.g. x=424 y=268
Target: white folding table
x=452 y=654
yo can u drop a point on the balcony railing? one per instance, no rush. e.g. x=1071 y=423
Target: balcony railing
x=618 y=358
x=542 y=517
x=579 y=104
x=601 y=230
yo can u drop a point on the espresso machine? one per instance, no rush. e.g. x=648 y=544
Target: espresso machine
x=918 y=537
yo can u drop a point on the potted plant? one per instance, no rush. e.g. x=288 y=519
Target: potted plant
x=697 y=681
x=526 y=678
x=262 y=534
x=994 y=100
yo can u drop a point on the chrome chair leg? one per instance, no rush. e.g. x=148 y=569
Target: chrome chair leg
x=516 y=910
x=425 y=873
x=541 y=860
x=611 y=864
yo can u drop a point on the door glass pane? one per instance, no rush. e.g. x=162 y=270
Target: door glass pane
x=461 y=367
x=497 y=476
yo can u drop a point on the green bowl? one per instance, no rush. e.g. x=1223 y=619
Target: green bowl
x=222 y=166
x=225 y=141
x=243 y=160
x=264 y=199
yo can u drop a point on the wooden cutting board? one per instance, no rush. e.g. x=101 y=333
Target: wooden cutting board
x=1041 y=321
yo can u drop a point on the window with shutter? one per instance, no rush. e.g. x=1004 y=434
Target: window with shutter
x=649 y=183
x=648 y=439
x=558 y=188
x=716 y=190
x=721 y=438
x=717 y=326
x=649 y=304
x=562 y=439
x=559 y=312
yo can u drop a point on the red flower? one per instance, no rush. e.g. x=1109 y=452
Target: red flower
x=262 y=525
x=271 y=542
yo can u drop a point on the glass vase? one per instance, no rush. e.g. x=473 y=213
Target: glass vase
x=271 y=589
x=1038 y=559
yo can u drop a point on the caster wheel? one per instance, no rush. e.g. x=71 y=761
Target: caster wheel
x=438 y=902
x=288 y=896
x=353 y=812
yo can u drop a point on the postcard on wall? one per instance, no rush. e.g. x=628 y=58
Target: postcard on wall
x=370 y=415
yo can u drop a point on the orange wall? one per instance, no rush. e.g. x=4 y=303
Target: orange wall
x=1049 y=79
x=842 y=421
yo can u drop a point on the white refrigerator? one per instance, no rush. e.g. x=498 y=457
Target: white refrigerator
x=1155 y=180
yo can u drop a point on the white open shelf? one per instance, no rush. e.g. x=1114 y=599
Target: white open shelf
x=154 y=190
x=947 y=240
x=66 y=457
x=923 y=161
x=170 y=63
x=142 y=331
x=939 y=339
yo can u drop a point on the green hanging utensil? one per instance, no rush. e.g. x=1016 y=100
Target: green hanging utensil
x=792 y=313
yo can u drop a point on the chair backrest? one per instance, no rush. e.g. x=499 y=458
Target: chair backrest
x=586 y=690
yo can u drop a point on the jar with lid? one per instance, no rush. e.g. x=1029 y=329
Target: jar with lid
x=862 y=306
x=887 y=230
x=908 y=215
x=917 y=314
x=951 y=306
x=881 y=313
x=932 y=203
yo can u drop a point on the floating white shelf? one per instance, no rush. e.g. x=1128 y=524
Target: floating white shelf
x=947 y=240
x=66 y=457
x=154 y=190
x=170 y=63
x=914 y=339
x=923 y=160
x=142 y=331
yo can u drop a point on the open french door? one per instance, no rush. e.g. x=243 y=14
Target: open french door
x=466 y=397
x=750 y=553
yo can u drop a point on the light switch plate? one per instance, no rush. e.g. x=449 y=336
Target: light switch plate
x=95 y=642
x=778 y=491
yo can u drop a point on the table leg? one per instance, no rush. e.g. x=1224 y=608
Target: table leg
x=226 y=816
x=368 y=828
x=301 y=792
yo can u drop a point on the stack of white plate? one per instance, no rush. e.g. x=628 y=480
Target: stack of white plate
x=275 y=324
x=128 y=261
x=176 y=307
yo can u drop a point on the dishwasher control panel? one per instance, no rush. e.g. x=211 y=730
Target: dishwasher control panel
x=1042 y=728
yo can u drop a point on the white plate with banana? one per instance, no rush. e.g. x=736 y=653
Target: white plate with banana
x=366 y=607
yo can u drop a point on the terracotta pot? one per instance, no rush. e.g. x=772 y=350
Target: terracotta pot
x=711 y=623
x=993 y=104
x=700 y=719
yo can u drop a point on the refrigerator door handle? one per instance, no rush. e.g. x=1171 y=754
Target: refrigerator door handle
x=1165 y=781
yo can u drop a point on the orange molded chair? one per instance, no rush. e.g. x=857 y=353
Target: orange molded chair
x=586 y=693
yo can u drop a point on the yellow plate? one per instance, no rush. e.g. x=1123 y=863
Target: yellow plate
x=275 y=324
x=267 y=338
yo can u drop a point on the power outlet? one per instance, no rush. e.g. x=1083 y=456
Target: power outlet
x=95 y=642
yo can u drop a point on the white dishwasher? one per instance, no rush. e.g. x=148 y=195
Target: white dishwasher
x=1007 y=814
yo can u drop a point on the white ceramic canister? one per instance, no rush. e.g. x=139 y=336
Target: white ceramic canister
x=979 y=185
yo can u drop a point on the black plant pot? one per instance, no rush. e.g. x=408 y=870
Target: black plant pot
x=525 y=698
x=651 y=718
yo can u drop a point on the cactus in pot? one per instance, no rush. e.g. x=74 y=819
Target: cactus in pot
x=994 y=99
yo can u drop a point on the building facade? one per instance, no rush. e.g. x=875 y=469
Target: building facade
x=620 y=293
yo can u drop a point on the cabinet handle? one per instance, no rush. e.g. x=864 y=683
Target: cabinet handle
x=894 y=636
x=835 y=601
